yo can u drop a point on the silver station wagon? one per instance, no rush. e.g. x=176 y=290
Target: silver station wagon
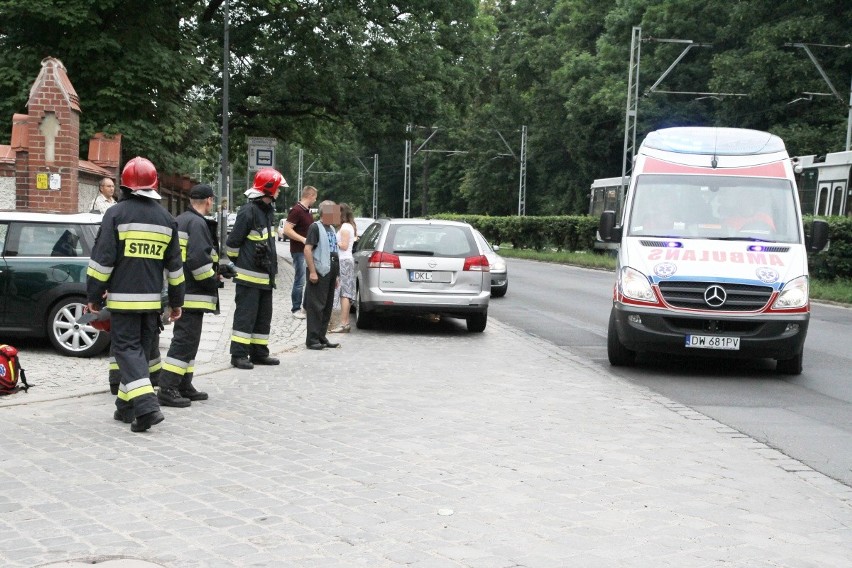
x=421 y=266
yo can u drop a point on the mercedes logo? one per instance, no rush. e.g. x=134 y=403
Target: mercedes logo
x=715 y=296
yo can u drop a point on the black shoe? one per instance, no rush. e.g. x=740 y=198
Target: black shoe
x=125 y=416
x=142 y=423
x=192 y=394
x=265 y=360
x=329 y=345
x=171 y=397
x=113 y=388
x=316 y=346
x=242 y=363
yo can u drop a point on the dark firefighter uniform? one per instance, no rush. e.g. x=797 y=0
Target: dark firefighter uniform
x=136 y=242
x=251 y=246
x=199 y=251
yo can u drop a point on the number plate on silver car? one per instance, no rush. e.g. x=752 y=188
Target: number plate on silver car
x=713 y=342
x=428 y=276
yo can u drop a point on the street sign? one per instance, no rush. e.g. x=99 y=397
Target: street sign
x=261 y=152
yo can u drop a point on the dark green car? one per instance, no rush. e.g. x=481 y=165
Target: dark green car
x=43 y=280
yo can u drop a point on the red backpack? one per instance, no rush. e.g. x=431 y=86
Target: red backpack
x=11 y=371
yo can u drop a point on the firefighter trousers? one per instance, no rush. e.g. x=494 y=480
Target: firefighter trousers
x=132 y=335
x=252 y=322
x=154 y=363
x=179 y=364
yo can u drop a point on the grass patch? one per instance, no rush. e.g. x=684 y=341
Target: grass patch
x=839 y=290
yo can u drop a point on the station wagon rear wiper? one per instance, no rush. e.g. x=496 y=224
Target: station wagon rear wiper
x=415 y=252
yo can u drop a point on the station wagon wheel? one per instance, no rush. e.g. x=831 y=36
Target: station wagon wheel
x=476 y=323
x=69 y=337
x=363 y=320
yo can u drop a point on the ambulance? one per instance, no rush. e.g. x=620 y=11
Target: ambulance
x=713 y=254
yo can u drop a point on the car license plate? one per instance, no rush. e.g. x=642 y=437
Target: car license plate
x=713 y=342
x=428 y=276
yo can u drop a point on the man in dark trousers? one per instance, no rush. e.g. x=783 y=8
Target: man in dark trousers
x=321 y=256
x=137 y=241
x=251 y=245
x=200 y=252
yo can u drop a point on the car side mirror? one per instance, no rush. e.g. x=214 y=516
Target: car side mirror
x=819 y=236
x=607 y=229
x=495 y=247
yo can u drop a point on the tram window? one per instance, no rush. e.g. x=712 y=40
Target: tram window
x=822 y=204
x=837 y=199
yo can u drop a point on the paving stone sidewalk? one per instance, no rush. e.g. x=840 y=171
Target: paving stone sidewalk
x=56 y=376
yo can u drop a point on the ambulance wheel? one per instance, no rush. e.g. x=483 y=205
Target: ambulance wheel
x=619 y=355
x=70 y=338
x=790 y=366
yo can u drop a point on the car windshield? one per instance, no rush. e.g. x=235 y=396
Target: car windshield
x=431 y=240
x=714 y=207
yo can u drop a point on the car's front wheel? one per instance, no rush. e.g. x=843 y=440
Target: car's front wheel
x=69 y=337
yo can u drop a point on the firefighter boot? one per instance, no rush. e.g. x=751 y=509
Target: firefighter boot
x=172 y=397
x=142 y=423
x=190 y=392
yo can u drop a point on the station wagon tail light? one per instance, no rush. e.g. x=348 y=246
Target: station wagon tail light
x=380 y=259
x=477 y=263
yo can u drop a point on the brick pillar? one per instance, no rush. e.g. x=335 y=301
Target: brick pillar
x=54 y=141
x=20 y=146
x=105 y=151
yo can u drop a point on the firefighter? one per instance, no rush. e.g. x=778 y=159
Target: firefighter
x=252 y=246
x=199 y=248
x=137 y=240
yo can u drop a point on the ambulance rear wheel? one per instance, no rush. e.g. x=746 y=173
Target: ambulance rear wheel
x=790 y=366
x=619 y=355
x=69 y=337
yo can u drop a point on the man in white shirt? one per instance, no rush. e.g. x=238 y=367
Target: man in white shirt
x=105 y=198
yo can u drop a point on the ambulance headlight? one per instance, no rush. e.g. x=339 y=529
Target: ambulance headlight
x=635 y=285
x=794 y=295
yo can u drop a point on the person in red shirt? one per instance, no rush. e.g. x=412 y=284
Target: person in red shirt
x=299 y=219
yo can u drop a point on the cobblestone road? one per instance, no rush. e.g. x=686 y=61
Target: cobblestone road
x=420 y=445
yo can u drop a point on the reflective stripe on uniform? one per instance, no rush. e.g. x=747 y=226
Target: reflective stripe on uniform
x=256 y=235
x=240 y=337
x=184 y=239
x=175 y=366
x=176 y=277
x=203 y=272
x=251 y=276
x=154 y=365
x=199 y=301
x=113 y=364
x=144 y=231
x=258 y=339
x=191 y=367
x=232 y=252
x=99 y=271
x=141 y=302
x=137 y=388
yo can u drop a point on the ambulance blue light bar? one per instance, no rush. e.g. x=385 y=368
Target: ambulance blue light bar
x=714 y=141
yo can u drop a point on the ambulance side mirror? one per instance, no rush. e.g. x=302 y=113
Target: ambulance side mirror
x=819 y=236
x=607 y=229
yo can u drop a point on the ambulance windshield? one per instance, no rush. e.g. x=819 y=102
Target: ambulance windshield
x=714 y=207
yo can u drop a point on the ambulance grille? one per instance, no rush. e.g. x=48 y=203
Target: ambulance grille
x=738 y=297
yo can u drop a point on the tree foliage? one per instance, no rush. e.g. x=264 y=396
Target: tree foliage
x=341 y=79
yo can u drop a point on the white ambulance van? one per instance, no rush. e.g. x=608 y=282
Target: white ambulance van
x=713 y=254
